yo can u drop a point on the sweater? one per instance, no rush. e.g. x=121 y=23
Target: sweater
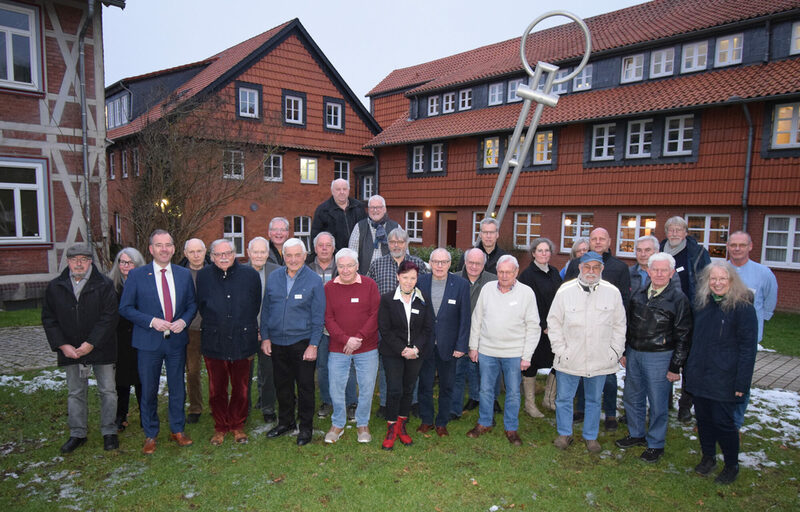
x=352 y=310
x=505 y=324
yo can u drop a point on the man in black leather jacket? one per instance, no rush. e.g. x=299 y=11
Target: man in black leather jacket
x=657 y=344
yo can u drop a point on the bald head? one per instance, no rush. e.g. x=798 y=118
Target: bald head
x=599 y=240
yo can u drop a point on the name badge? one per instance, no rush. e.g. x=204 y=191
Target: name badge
x=414 y=311
x=298 y=296
x=354 y=299
x=451 y=301
x=679 y=269
x=512 y=303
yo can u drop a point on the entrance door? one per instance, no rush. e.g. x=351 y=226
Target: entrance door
x=447 y=229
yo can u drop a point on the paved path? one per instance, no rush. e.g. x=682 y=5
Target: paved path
x=25 y=348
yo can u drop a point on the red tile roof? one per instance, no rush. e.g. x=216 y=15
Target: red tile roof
x=756 y=81
x=650 y=21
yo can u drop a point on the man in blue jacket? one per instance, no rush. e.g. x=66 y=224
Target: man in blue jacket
x=292 y=316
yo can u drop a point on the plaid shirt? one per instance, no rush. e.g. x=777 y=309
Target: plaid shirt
x=384 y=271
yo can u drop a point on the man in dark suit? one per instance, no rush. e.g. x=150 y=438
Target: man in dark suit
x=449 y=296
x=159 y=299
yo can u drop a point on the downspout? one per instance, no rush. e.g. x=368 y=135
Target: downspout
x=87 y=212
x=747 y=166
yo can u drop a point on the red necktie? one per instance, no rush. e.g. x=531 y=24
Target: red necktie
x=166 y=295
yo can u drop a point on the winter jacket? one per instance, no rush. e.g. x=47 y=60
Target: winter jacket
x=698 y=258
x=614 y=272
x=394 y=327
x=296 y=315
x=340 y=223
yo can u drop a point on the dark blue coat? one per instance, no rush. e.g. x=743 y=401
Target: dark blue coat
x=451 y=326
x=723 y=352
x=229 y=303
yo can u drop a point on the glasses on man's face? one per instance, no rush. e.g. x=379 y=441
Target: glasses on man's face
x=83 y=260
x=226 y=254
x=126 y=263
x=376 y=208
x=346 y=266
x=440 y=262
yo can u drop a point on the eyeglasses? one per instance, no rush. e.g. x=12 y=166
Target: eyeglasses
x=80 y=259
x=346 y=266
x=377 y=207
x=126 y=263
x=440 y=262
x=226 y=254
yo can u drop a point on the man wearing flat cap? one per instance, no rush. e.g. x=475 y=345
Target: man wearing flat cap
x=79 y=316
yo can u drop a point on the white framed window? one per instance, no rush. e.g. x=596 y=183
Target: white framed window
x=135 y=156
x=603 y=140
x=662 y=62
x=728 y=50
x=367 y=187
x=248 y=102
x=632 y=68
x=583 y=80
x=710 y=231
x=517 y=149
x=418 y=159
x=491 y=151
x=794 y=46
x=496 y=94
x=448 y=102
x=414 y=226
x=465 y=99
x=527 y=226
x=433 y=105
x=308 y=170
x=437 y=157
x=678 y=135
x=562 y=87
x=116 y=111
x=695 y=57
x=575 y=225
x=233 y=230
x=781 y=247
x=786 y=126
x=112 y=170
x=477 y=217
x=20 y=65
x=302 y=229
x=117 y=228
x=293 y=109
x=233 y=164
x=23 y=202
x=640 y=138
x=123 y=157
x=341 y=170
x=543 y=148
x=513 y=85
x=273 y=167
x=631 y=226
x=333 y=115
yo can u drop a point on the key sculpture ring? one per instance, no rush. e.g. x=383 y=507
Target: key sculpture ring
x=515 y=155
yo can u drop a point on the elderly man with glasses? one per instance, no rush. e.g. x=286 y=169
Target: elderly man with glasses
x=370 y=237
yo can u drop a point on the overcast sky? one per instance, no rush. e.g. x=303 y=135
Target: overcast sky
x=364 y=40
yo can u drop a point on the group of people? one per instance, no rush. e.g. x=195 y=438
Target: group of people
x=359 y=311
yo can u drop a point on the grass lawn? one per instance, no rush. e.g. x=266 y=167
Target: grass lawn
x=21 y=317
x=454 y=473
x=782 y=334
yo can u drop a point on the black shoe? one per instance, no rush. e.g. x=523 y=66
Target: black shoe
x=281 y=430
x=193 y=417
x=706 y=466
x=497 y=408
x=415 y=410
x=471 y=404
x=110 y=442
x=611 y=424
x=623 y=419
x=577 y=417
x=381 y=412
x=269 y=417
x=454 y=416
x=652 y=455
x=630 y=442
x=351 y=412
x=684 y=414
x=121 y=422
x=303 y=438
x=727 y=475
x=72 y=444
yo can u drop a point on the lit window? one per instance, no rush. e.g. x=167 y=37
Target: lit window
x=543 y=148
x=477 y=217
x=233 y=230
x=640 y=138
x=233 y=164
x=515 y=155
x=448 y=102
x=308 y=170
x=112 y=172
x=513 y=85
x=273 y=167
x=367 y=187
x=248 y=102
x=563 y=86
x=433 y=105
x=302 y=229
x=123 y=155
x=19 y=47
x=781 y=247
x=333 y=115
x=678 y=135
x=341 y=170
x=575 y=225
x=695 y=57
x=795 y=42
x=23 y=202
x=437 y=157
x=711 y=231
x=662 y=62
x=632 y=226
x=465 y=99
x=583 y=80
x=527 y=226
x=729 y=50
x=603 y=140
x=632 y=68
x=418 y=163
x=293 y=109
x=496 y=94
x=786 y=126
x=491 y=152
x=414 y=226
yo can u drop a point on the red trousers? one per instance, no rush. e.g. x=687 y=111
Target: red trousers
x=229 y=414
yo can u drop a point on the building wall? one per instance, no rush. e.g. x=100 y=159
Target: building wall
x=388 y=109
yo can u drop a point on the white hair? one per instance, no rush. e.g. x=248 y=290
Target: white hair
x=346 y=253
x=661 y=256
x=507 y=257
x=293 y=242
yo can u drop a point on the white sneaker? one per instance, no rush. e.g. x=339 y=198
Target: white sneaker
x=333 y=435
x=363 y=435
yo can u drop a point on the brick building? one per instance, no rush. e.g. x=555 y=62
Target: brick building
x=686 y=107
x=43 y=177
x=276 y=89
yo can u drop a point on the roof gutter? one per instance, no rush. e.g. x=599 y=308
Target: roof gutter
x=748 y=163
x=87 y=212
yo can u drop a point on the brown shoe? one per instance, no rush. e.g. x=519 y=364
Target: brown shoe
x=181 y=438
x=424 y=428
x=149 y=446
x=478 y=431
x=239 y=436
x=442 y=431
x=513 y=437
x=218 y=438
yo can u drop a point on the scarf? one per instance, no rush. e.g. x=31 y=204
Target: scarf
x=380 y=232
x=669 y=249
x=544 y=267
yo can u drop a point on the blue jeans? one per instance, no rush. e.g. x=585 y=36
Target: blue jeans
x=609 y=396
x=339 y=370
x=78 y=399
x=466 y=376
x=646 y=382
x=490 y=368
x=741 y=408
x=446 y=370
x=173 y=356
x=323 y=379
x=566 y=387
